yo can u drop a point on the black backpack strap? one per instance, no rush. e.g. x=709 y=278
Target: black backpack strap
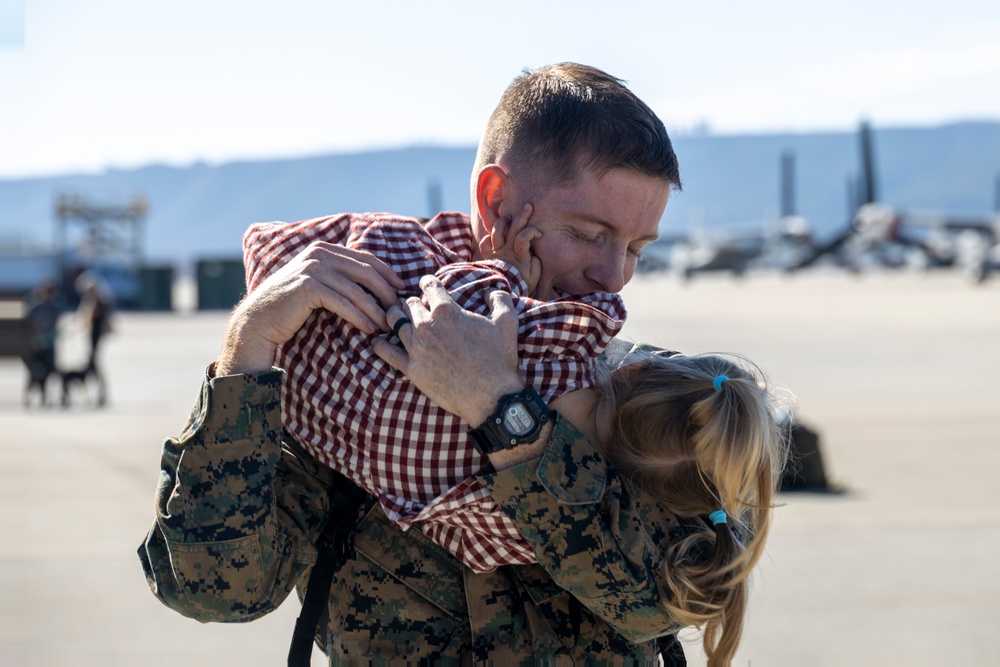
x=334 y=545
x=671 y=651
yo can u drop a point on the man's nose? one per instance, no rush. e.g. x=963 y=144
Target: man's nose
x=611 y=272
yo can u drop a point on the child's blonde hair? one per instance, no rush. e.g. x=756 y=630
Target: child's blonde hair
x=699 y=443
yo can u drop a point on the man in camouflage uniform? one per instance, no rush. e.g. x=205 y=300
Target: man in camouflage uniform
x=240 y=509
x=239 y=513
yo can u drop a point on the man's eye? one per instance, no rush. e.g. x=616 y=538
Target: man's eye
x=586 y=238
x=635 y=252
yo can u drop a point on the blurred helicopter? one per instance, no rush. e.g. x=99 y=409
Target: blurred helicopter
x=737 y=249
x=880 y=235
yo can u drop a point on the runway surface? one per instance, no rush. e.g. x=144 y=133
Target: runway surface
x=899 y=373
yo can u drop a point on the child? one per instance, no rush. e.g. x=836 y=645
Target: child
x=356 y=414
x=700 y=434
x=662 y=420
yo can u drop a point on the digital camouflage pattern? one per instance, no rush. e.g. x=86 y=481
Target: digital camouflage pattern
x=238 y=513
x=598 y=537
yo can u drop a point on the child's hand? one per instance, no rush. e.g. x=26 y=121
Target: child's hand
x=511 y=241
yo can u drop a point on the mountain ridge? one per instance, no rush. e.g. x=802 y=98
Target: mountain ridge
x=201 y=209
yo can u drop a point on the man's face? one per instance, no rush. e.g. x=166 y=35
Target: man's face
x=594 y=229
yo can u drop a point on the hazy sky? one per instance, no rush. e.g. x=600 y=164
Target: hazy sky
x=87 y=85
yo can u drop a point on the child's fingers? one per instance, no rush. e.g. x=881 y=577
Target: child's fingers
x=498 y=235
x=505 y=231
x=522 y=244
x=520 y=221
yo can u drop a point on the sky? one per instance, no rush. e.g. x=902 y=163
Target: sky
x=88 y=86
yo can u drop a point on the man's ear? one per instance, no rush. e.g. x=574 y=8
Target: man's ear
x=493 y=187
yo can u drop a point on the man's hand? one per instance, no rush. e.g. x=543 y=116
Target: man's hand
x=338 y=279
x=511 y=241
x=463 y=361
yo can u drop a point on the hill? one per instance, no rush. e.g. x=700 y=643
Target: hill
x=201 y=210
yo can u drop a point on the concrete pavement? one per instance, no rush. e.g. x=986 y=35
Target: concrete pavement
x=898 y=372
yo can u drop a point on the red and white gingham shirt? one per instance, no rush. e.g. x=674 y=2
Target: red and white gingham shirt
x=357 y=414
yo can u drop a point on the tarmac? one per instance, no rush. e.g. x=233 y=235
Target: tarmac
x=898 y=372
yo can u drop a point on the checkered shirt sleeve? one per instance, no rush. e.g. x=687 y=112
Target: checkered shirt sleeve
x=358 y=415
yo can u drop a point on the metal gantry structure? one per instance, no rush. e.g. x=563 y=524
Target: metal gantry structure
x=94 y=234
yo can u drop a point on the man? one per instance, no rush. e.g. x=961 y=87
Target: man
x=239 y=515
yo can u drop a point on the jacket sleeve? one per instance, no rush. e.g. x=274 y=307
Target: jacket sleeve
x=237 y=511
x=592 y=532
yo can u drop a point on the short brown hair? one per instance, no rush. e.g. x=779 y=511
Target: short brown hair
x=558 y=119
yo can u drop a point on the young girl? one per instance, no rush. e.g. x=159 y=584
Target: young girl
x=694 y=433
x=699 y=433
x=356 y=414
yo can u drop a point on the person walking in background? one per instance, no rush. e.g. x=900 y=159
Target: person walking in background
x=40 y=333
x=94 y=314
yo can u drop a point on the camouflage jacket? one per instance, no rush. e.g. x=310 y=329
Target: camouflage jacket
x=238 y=512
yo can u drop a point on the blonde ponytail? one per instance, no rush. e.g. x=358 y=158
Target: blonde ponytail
x=699 y=444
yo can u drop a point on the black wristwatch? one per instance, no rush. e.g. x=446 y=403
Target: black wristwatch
x=517 y=420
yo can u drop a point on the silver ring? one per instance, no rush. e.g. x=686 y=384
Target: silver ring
x=399 y=325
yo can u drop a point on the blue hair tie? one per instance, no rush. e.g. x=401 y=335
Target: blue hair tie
x=717 y=382
x=717 y=517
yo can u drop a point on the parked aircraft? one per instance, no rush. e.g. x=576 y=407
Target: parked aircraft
x=773 y=245
x=739 y=250
x=881 y=235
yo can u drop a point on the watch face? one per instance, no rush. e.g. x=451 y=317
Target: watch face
x=517 y=420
